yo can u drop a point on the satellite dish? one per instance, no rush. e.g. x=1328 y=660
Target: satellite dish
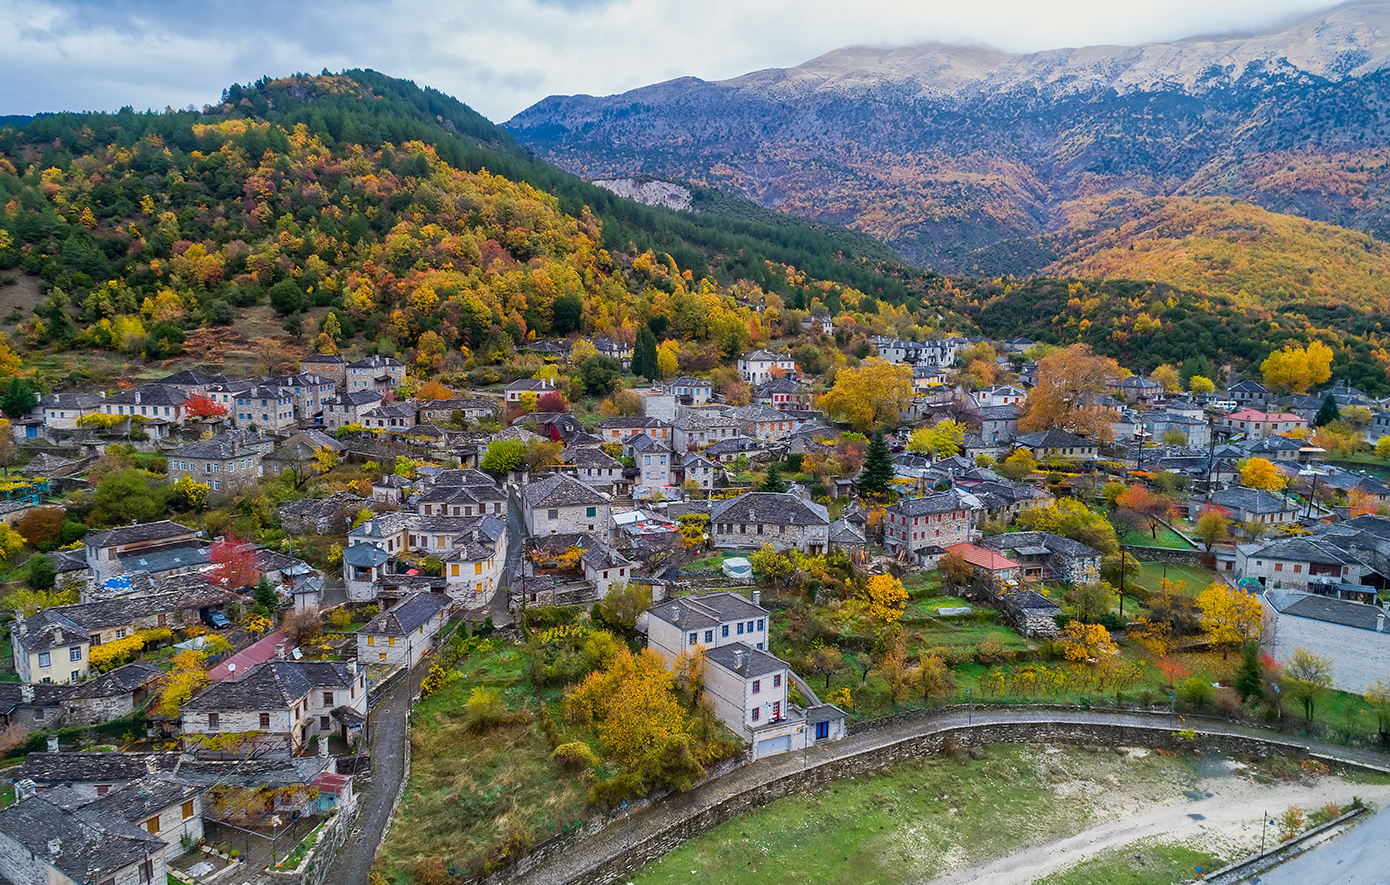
x=231 y=668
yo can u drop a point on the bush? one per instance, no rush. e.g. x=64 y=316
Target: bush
x=611 y=794
x=574 y=756
x=1196 y=691
x=484 y=709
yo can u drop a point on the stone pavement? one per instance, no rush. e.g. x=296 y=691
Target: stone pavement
x=657 y=828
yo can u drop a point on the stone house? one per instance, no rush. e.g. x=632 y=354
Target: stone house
x=349 y=407
x=264 y=407
x=307 y=392
x=1032 y=614
x=1254 y=422
x=150 y=402
x=991 y=569
x=278 y=705
x=1046 y=445
x=51 y=841
x=621 y=428
x=819 y=323
x=161 y=805
x=321 y=516
x=391 y=416
x=461 y=493
x=1048 y=557
x=782 y=393
x=603 y=567
x=763 y=423
x=375 y=373
x=1277 y=448
x=998 y=424
x=1245 y=505
x=698 y=469
x=595 y=467
x=230 y=460
x=749 y=691
x=1195 y=432
x=757 y=367
x=1352 y=634
x=694 y=430
x=35 y=707
x=1000 y=395
x=690 y=391
x=560 y=504
x=1249 y=393
x=653 y=460
x=782 y=519
x=920 y=529
x=114 y=695
x=471 y=409
x=405 y=632
x=539 y=386
x=364 y=564
x=1298 y=563
x=104 y=550
x=60 y=411
x=473 y=568
x=678 y=626
x=326 y=365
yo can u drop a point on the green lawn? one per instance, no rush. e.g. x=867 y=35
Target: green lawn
x=1151 y=575
x=1144 y=538
x=1140 y=864
x=915 y=821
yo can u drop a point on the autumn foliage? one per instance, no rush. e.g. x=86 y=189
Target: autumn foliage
x=234 y=562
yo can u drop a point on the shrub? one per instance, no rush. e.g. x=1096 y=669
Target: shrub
x=611 y=794
x=483 y=709
x=1196 y=691
x=574 y=756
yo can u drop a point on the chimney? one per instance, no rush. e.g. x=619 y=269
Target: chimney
x=676 y=614
x=54 y=846
x=19 y=623
x=1380 y=622
x=757 y=597
x=738 y=660
x=26 y=693
x=150 y=767
x=279 y=651
x=137 y=397
x=323 y=746
x=25 y=789
x=52 y=743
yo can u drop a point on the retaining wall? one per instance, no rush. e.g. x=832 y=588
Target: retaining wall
x=1159 y=735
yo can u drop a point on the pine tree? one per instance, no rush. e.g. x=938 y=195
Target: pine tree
x=1249 y=680
x=876 y=478
x=773 y=481
x=1327 y=412
x=644 y=361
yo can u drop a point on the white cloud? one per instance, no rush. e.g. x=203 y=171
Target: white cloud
x=502 y=55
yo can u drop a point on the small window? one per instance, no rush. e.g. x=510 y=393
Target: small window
x=324 y=724
x=755 y=714
x=152 y=826
x=552 y=514
x=213 y=723
x=44 y=659
x=103 y=789
x=709 y=636
x=328 y=699
x=740 y=628
x=591 y=512
x=382 y=656
x=75 y=653
x=757 y=686
x=724 y=630
x=694 y=637
x=760 y=625
x=187 y=809
x=265 y=722
x=371 y=640
x=777 y=680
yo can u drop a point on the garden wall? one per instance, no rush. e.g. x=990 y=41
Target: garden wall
x=1165 y=554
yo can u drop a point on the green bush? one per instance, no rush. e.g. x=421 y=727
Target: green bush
x=574 y=756
x=1196 y=691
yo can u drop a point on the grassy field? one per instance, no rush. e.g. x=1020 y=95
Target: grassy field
x=918 y=820
x=469 y=793
x=1140 y=864
x=1151 y=575
x=1144 y=538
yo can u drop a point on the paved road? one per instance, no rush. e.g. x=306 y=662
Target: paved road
x=386 y=739
x=650 y=822
x=1353 y=858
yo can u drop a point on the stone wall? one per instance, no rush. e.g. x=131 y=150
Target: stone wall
x=1157 y=736
x=313 y=867
x=1164 y=554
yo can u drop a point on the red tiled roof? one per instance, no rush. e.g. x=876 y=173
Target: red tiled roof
x=255 y=653
x=982 y=558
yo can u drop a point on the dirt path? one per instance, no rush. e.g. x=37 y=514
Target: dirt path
x=1222 y=815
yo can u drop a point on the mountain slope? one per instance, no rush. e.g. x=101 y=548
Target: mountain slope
x=960 y=159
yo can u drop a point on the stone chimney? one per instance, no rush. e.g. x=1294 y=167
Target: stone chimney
x=1380 y=622
x=19 y=623
x=150 y=767
x=738 y=660
x=25 y=789
x=279 y=651
x=26 y=693
x=323 y=746
x=54 y=847
x=137 y=397
x=757 y=597
x=676 y=614
x=52 y=743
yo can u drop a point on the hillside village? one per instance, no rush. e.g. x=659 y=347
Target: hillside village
x=196 y=693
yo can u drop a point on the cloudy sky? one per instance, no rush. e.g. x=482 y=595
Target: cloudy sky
x=500 y=56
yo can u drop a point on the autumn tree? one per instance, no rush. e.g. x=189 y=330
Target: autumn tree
x=552 y=401
x=1309 y=677
x=204 y=408
x=42 y=527
x=1213 y=525
x=302 y=625
x=942 y=439
x=1092 y=601
x=502 y=456
x=1147 y=507
x=872 y=395
x=1086 y=642
x=1168 y=375
x=826 y=661
x=1230 y=616
x=957 y=572
x=1260 y=473
x=1018 y=465
x=932 y=678
x=622 y=404
x=622 y=605
x=234 y=562
x=183 y=681
x=1064 y=398
x=887 y=598
x=1378 y=696
x=542 y=455
x=771 y=564
x=668 y=358
x=892 y=666
x=432 y=391
x=1200 y=385
x=1295 y=369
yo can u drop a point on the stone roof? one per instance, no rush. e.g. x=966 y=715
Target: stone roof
x=84 y=844
x=223 y=447
x=151 y=395
x=270 y=685
x=71 y=401
x=408 y=615
x=355 y=398
x=690 y=612
x=778 y=385
x=1338 y=611
x=739 y=658
x=1305 y=550
x=325 y=358
x=770 y=508
x=94 y=768
x=689 y=381
x=560 y=490
x=766 y=356
x=122 y=680
x=1020 y=541
x=42 y=694
x=591 y=458
x=757 y=414
x=134 y=534
x=1032 y=601
x=1054 y=439
x=376 y=362
x=1007 y=412
x=945 y=502
x=629 y=422
x=1250 y=500
x=70 y=624
x=140 y=800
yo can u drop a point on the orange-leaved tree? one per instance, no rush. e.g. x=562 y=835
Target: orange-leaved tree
x=1064 y=397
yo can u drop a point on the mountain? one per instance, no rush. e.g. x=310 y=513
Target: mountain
x=966 y=159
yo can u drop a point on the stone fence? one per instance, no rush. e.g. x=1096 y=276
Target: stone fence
x=313 y=866
x=1156 y=733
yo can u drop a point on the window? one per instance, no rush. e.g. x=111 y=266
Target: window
x=777 y=680
x=709 y=636
x=147 y=871
x=740 y=628
x=591 y=512
x=213 y=724
x=390 y=640
x=382 y=656
x=187 y=809
x=44 y=659
x=152 y=826
x=693 y=638
x=754 y=717
x=103 y=789
x=757 y=686
x=724 y=630
x=750 y=626
x=760 y=625
x=371 y=640
x=75 y=653
x=324 y=724
x=75 y=675
x=328 y=699
x=39 y=713
x=477 y=568
x=552 y=514
x=265 y=722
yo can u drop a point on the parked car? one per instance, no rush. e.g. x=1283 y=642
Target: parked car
x=216 y=620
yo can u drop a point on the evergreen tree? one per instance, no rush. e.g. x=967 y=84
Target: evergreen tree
x=876 y=478
x=265 y=598
x=773 y=481
x=1249 y=680
x=1327 y=412
x=644 y=360
x=18 y=398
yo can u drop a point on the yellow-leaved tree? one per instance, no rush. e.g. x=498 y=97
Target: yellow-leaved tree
x=1065 y=395
x=1230 y=616
x=887 y=598
x=1260 y=473
x=942 y=439
x=1082 y=642
x=1295 y=369
x=874 y=394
